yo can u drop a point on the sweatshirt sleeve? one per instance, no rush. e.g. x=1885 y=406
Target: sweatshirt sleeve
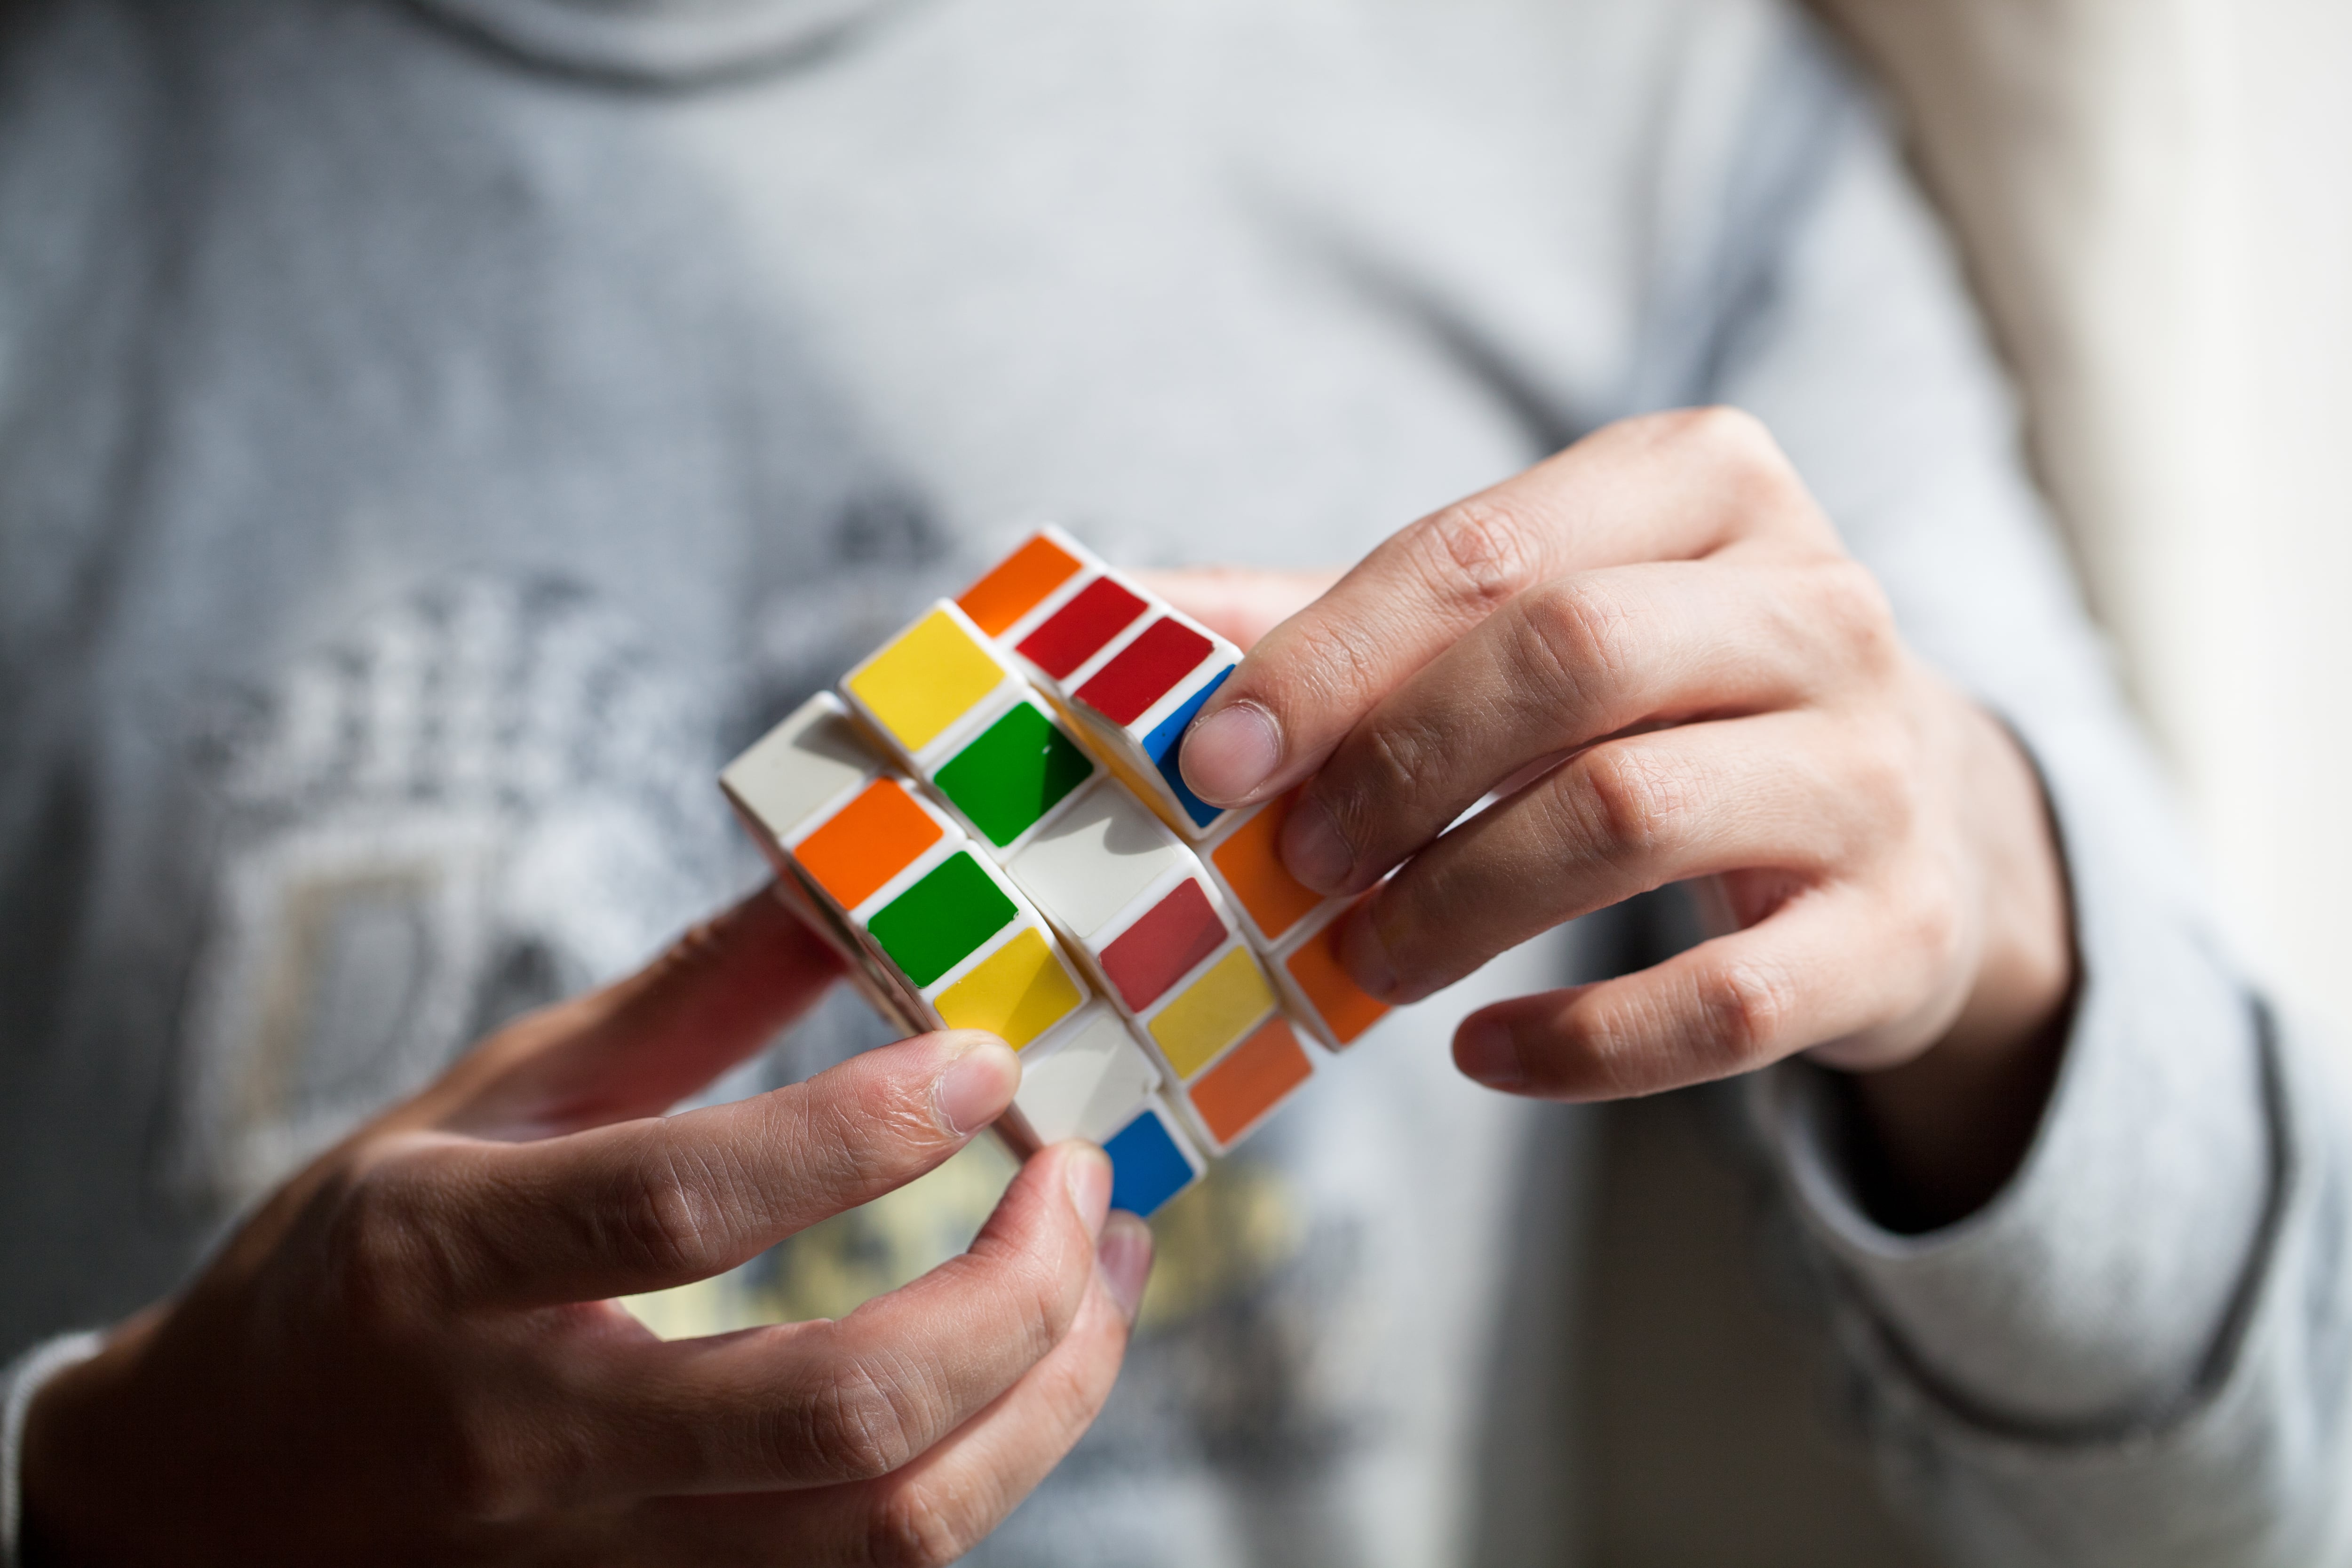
x=2134 y=1354
x=20 y=1381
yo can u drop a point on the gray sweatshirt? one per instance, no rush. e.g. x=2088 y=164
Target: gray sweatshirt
x=434 y=435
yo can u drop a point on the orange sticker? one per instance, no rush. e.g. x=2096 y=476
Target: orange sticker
x=869 y=841
x=1346 y=1009
x=1017 y=585
x=1251 y=1080
x=1251 y=864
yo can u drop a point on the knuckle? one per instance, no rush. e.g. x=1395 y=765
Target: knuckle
x=379 y=1244
x=1749 y=1011
x=1731 y=441
x=1401 y=761
x=480 y=1469
x=1633 y=807
x=920 y=1527
x=1852 y=604
x=1476 y=553
x=855 y=1428
x=1049 y=1291
x=664 y=1223
x=1576 y=641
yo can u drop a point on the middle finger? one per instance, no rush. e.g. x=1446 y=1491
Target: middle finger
x=1562 y=667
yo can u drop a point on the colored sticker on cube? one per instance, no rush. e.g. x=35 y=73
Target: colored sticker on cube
x=1254 y=1076
x=942 y=919
x=1217 y=1008
x=1164 y=945
x=1340 y=1010
x=1019 y=584
x=1014 y=774
x=1161 y=746
x=936 y=671
x=814 y=757
x=869 y=841
x=1151 y=1162
x=1088 y=1082
x=1016 y=993
x=1083 y=627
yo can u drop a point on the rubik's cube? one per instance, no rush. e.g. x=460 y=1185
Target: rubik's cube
x=988 y=824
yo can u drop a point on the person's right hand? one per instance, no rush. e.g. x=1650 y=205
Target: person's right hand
x=410 y=1353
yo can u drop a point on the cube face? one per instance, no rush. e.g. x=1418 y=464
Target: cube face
x=921 y=689
x=1008 y=779
x=1151 y=1162
x=1088 y=1080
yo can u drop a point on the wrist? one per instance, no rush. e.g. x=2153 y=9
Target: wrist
x=1944 y=1132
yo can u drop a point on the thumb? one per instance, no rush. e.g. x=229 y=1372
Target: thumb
x=639 y=1045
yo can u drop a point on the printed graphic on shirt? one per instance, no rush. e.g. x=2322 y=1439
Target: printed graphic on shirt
x=483 y=797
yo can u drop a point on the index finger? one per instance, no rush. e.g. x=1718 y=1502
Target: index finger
x=1664 y=487
x=646 y=1205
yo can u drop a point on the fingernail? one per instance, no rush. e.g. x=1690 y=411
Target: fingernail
x=1088 y=1175
x=977 y=1085
x=1313 y=849
x=1231 y=752
x=1366 y=956
x=1486 y=1050
x=1125 y=1257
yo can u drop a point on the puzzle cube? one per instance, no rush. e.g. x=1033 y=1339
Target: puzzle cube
x=1129 y=670
x=996 y=791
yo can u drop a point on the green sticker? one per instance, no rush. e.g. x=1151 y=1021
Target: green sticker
x=1020 y=769
x=932 y=926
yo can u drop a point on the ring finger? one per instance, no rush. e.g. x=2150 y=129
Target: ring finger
x=1774 y=791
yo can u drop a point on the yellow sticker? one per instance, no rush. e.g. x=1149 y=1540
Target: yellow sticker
x=1213 y=1011
x=1016 y=993
x=926 y=680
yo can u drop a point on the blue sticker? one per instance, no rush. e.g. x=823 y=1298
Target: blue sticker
x=1162 y=748
x=1146 y=1168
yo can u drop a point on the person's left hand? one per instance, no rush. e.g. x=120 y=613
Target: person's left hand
x=1656 y=650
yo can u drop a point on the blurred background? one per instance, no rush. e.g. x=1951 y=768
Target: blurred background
x=2156 y=201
